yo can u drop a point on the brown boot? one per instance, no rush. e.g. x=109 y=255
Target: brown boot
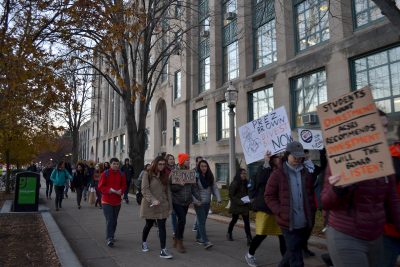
x=175 y=241
x=180 y=247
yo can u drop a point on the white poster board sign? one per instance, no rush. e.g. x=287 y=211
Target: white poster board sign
x=269 y=132
x=311 y=139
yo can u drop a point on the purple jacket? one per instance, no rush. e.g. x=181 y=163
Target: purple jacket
x=360 y=210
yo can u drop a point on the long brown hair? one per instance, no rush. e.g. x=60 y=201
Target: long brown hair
x=154 y=170
x=208 y=175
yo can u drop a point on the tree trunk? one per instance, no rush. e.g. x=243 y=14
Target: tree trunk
x=136 y=139
x=390 y=10
x=75 y=146
x=8 y=172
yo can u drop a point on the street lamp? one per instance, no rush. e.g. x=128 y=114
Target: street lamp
x=231 y=97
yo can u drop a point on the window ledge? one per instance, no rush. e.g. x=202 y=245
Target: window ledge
x=223 y=142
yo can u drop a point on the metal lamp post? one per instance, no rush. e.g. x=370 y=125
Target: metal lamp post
x=231 y=97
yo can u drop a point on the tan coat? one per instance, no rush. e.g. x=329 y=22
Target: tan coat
x=155 y=190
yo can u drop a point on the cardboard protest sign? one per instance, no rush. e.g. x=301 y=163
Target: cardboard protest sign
x=269 y=132
x=311 y=139
x=183 y=177
x=354 y=138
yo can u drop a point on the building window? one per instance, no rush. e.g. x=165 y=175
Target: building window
x=204 y=47
x=109 y=147
x=231 y=58
x=205 y=74
x=222 y=171
x=229 y=42
x=223 y=120
x=309 y=91
x=381 y=71
x=200 y=129
x=176 y=132
x=365 y=12
x=312 y=23
x=265 y=33
x=122 y=143
x=177 y=85
x=261 y=102
x=116 y=139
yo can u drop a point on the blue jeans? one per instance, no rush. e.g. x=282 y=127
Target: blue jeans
x=294 y=240
x=111 y=214
x=201 y=217
x=128 y=185
x=391 y=248
x=174 y=221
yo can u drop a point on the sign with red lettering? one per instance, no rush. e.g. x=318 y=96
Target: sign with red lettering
x=354 y=138
x=269 y=132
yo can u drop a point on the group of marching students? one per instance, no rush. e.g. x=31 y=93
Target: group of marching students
x=362 y=220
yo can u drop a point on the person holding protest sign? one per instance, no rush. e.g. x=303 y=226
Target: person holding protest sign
x=182 y=197
x=290 y=196
x=357 y=214
x=265 y=220
x=240 y=204
x=391 y=237
x=156 y=204
x=207 y=186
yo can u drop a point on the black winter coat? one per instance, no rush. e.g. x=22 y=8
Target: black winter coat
x=260 y=181
x=237 y=190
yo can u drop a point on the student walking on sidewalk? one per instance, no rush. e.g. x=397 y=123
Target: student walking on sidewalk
x=237 y=191
x=182 y=197
x=265 y=220
x=290 y=196
x=207 y=186
x=79 y=182
x=60 y=177
x=156 y=205
x=112 y=186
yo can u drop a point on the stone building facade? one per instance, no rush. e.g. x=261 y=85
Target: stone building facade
x=297 y=54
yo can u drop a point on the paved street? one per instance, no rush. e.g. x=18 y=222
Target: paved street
x=84 y=229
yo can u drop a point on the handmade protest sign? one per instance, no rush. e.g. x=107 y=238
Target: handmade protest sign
x=311 y=139
x=269 y=132
x=183 y=177
x=354 y=138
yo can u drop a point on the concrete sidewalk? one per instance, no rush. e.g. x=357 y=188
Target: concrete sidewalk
x=84 y=229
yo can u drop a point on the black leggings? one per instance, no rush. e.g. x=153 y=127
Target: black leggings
x=49 y=187
x=162 y=233
x=59 y=195
x=255 y=243
x=246 y=221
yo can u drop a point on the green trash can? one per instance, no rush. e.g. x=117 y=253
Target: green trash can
x=27 y=186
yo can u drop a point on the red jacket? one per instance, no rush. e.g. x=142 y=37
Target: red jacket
x=277 y=196
x=390 y=228
x=114 y=179
x=360 y=210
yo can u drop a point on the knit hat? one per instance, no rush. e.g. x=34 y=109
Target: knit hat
x=182 y=157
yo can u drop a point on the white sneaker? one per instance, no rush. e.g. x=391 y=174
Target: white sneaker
x=165 y=254
x=251 y=260
x=145 y=248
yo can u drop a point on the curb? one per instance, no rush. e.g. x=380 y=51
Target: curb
x=65 y=254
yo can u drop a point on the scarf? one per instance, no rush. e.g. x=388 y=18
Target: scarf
x=203 y=181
